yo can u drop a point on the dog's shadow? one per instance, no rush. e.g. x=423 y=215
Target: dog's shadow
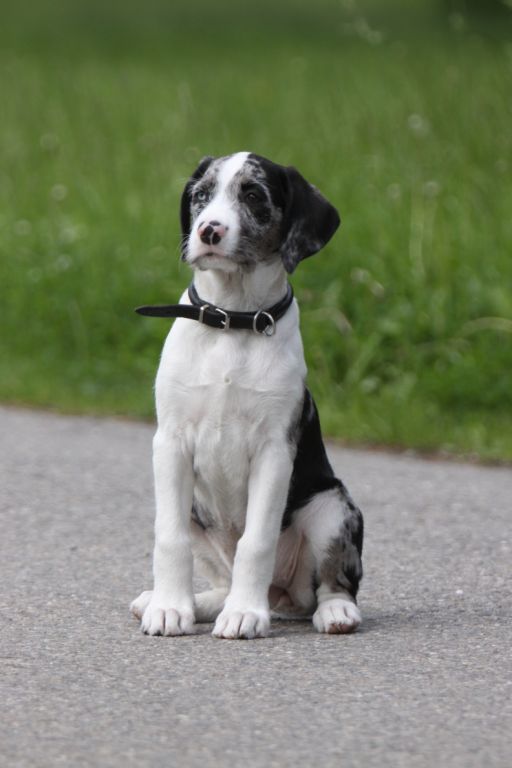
x=285 y=628
x=423 y=618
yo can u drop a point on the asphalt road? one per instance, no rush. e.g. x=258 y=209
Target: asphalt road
x=426 y=682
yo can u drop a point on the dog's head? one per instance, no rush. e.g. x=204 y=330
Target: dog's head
x=241 y=210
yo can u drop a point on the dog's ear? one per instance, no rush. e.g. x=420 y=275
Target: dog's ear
x=186 y=200
x=309 y=220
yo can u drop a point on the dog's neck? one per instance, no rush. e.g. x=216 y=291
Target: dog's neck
x=242 y=290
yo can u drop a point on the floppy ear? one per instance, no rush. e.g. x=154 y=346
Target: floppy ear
x=309 y=220
x=186 y=200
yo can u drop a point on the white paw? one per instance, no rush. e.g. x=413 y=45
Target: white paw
x=161 y=617
x=232 y=624
x=139 y=605
x=337 y=617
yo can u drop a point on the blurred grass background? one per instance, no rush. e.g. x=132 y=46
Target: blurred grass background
x=399 y=111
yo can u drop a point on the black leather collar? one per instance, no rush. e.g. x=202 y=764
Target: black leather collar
x=263 y=321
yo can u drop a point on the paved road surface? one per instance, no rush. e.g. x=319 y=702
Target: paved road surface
x=426 y=682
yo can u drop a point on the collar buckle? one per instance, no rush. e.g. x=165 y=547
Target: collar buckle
x=225 y=316
x=225 y=319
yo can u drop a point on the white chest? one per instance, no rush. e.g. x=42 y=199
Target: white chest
x=223 y=395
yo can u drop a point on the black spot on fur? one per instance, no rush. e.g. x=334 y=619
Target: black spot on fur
x=200 y=515
x=342 y=568
x=274 y=177
x=309 y=220
x=312 y=472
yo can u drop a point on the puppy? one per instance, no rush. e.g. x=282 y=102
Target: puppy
x=245 y=493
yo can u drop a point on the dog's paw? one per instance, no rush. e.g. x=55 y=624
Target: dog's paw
x=232 y=624
x=337 y=617
x=139 y=605
x=161 y=617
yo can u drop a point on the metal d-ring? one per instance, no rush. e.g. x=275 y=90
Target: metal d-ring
x=268 y=330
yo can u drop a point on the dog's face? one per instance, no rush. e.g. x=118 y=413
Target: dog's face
x=243 y=210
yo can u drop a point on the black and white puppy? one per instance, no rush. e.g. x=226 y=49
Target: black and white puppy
x=244 y=490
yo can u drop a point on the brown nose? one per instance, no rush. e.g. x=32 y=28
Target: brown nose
x=211 y=232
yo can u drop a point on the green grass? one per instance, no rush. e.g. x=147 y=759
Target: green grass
x=403 y=121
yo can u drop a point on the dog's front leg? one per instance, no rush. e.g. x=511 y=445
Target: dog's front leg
x=171 y=608
x=246 y=609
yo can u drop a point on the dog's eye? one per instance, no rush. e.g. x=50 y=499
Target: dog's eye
x=253 y=195
x=201 y=196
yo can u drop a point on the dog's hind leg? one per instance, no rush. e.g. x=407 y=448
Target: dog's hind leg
x=211 y=562
x=333 y=527
x=139 y=605
x=213 y=557
x=208 y=604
